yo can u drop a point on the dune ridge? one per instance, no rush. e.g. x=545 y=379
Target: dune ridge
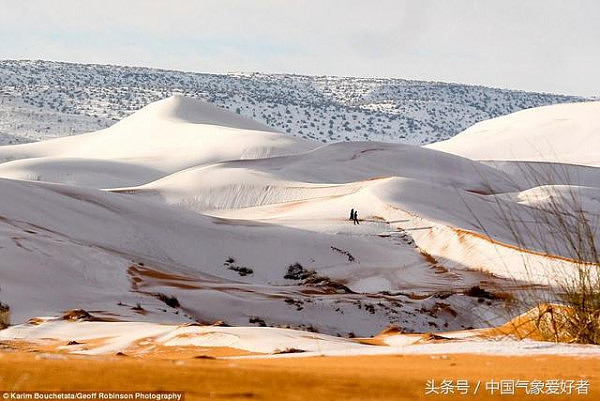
x=251 y=227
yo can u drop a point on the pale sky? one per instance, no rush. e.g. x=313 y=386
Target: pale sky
x=540 y=45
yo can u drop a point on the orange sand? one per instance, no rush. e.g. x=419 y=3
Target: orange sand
x=317 y=378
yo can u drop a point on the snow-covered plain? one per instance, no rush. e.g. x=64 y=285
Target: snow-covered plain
x=183 y=212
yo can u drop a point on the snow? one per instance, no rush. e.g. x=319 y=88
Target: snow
x=97 y=338
x=42 y=99
x=65 y=246
x=184 y=201
x=565 y=133
x=162 y=138
x=121 y=336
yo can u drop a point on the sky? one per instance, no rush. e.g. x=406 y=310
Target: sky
x=537 y=45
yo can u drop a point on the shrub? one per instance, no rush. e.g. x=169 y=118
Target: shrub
x=169 y=300
x=4 y=316
x=298 y=272
x=562 y=226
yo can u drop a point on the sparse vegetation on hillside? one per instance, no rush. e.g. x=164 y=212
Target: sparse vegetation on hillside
x=41 y=99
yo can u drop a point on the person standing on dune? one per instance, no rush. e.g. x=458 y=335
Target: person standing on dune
x=355 y=217
x=351 y=214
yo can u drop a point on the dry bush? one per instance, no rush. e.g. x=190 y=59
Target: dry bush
x=4 y=316
x=562 y=224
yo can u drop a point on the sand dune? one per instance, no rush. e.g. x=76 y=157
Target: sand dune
x=144 y=339
x=166 y=136
x=566 y=133
x=185 y=213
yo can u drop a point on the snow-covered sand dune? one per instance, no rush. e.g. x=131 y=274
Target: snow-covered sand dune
x=107 y=252
x=148 y=339
x=183 y=212
x=160 y=139
x=565 y=133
